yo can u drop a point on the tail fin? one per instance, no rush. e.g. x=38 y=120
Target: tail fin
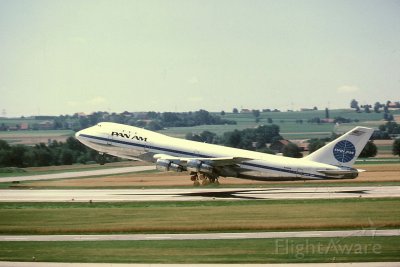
x=344 y=150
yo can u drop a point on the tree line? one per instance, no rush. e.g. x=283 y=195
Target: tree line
x=56 y=153
x=377 y=108
x=150 y=120
x=251 y=139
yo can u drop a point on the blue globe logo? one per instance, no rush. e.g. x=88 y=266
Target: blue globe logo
x=344 y=151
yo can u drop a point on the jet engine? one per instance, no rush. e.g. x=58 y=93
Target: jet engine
x=166 y=165
x=198 y=166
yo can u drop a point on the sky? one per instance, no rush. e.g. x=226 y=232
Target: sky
x=62 y=57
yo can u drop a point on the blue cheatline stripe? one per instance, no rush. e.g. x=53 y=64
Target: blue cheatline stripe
x=199 y=155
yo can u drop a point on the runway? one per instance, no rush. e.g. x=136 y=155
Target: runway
x=76 y=174
x=204 y=236
x=196 y=194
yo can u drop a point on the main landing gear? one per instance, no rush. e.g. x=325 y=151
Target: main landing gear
x=203 y=179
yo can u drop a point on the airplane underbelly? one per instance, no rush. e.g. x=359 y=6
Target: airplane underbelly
x=256 y=170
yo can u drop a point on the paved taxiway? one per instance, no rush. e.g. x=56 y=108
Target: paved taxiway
x=196 y=194
x=204 y=236
x=76 y=174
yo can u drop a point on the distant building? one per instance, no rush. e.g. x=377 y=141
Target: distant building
x=81 y=114
x=245 y=110
x=302 y=144
x=46 y=125
x=394 y=105
x=24 y=126
x=327 y=120
x=279 y=145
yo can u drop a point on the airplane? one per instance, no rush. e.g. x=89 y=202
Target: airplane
x=207 y=162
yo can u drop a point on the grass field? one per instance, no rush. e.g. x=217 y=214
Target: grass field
x=35 y=137
x=157 y=217
x=292 y=250
x=287 y=123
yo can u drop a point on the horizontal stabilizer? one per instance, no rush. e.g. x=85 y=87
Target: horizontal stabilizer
x=348 y=173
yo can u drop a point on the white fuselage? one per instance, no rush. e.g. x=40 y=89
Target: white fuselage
x=137 y=143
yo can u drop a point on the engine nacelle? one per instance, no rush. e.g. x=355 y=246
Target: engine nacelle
x=175 y=167
x=198 y=166
x=166 y=165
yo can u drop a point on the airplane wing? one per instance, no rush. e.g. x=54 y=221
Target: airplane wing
x=216 y=162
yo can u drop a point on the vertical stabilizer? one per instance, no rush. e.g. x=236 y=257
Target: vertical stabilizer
x=344 y=150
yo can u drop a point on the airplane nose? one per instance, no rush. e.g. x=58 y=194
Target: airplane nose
x=77 y=134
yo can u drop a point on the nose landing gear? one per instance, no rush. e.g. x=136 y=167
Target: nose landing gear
x=101 y=159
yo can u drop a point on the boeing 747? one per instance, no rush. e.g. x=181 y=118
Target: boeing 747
x=206 y=162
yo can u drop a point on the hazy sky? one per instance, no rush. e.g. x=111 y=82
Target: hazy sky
x=62 y=57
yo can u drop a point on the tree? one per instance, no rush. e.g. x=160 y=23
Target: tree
x=386 y=116
x=367 y=108
x=396 y=147
x=232 y=139
x=369 y=150
x=354 y=104
x=315 y=144
x=16 y=158
x=292 y=150
x=67 y=157
x=154 y=126
x=393 y=128
x=235 y=110
x=256 y=113
x=4 y=145
x=385 y=108
x=265 y=150
x=222 y=113
x=377 y=106
x=326 y=113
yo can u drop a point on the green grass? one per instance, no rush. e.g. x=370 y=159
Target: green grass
x=287 y=129
x=291 y=250
x=157 y=217
x=377 y=161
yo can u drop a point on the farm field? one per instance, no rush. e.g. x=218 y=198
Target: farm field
x=287 y=121
x=32 y=137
